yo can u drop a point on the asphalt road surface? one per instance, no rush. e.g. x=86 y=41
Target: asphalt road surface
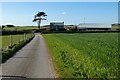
x=32 y=61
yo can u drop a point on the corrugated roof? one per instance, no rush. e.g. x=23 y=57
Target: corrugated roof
x=57 y=23
x=94 y=25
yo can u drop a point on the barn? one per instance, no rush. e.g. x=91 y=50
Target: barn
x=56 y=26
x=94 y=26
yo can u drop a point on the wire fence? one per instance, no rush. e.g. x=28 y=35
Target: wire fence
x=11 y=40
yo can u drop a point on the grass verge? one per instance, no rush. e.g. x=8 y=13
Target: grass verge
x=6 y=54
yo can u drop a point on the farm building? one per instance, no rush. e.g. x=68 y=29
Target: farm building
x=94 y=26
x=116 y=26
x=56 y=25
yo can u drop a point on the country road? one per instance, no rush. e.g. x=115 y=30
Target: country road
x=32 y=61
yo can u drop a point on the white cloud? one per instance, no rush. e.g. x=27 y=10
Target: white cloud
x=63 y=13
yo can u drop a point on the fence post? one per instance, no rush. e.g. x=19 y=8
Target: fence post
x=18 y=38
x=24 y=36
x=28 y=36
x=11 y=41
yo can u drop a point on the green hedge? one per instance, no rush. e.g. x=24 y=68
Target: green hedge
x=11 y=51
x=47 y=32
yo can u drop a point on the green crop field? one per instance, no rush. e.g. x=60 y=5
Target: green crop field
x=20 y=28
x=6 y=39
x=84 y=55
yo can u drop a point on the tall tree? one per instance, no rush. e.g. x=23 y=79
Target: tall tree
x=39 y=17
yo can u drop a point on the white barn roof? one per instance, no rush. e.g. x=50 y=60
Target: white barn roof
x=94 y=25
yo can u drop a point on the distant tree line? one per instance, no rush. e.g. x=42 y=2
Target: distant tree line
x=3 y=26
x=115 y=24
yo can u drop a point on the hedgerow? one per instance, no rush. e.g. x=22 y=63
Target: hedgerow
x=6 y=54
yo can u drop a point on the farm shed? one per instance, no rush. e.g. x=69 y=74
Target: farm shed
x=94 y=26
x=56 y=25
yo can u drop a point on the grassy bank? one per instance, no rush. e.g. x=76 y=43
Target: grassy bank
x=11 y=50
x=20 y=28
x=15 y=39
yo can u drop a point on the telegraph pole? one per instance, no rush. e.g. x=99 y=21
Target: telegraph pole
x=84 y=20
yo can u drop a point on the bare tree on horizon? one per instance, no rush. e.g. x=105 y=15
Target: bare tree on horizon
x=39 y=17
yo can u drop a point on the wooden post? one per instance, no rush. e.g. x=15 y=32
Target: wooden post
x=11 y=41
x=28 y=36
x=18 y=38
x=24 y=36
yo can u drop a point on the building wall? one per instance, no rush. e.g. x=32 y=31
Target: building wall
x=94 y=26
x=56 y=25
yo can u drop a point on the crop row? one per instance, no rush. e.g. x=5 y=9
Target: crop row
x=87 y=55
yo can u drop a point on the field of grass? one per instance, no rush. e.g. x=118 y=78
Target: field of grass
x=84 y=55
x=6 y=39
x=20 y=28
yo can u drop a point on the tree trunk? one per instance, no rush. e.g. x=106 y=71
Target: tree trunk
x=39 y=22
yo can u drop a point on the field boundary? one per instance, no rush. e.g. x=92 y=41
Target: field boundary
x=47 y=32
x=6 y=54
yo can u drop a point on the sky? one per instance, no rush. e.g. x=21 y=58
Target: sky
x=22 y=13
x=60 y=0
